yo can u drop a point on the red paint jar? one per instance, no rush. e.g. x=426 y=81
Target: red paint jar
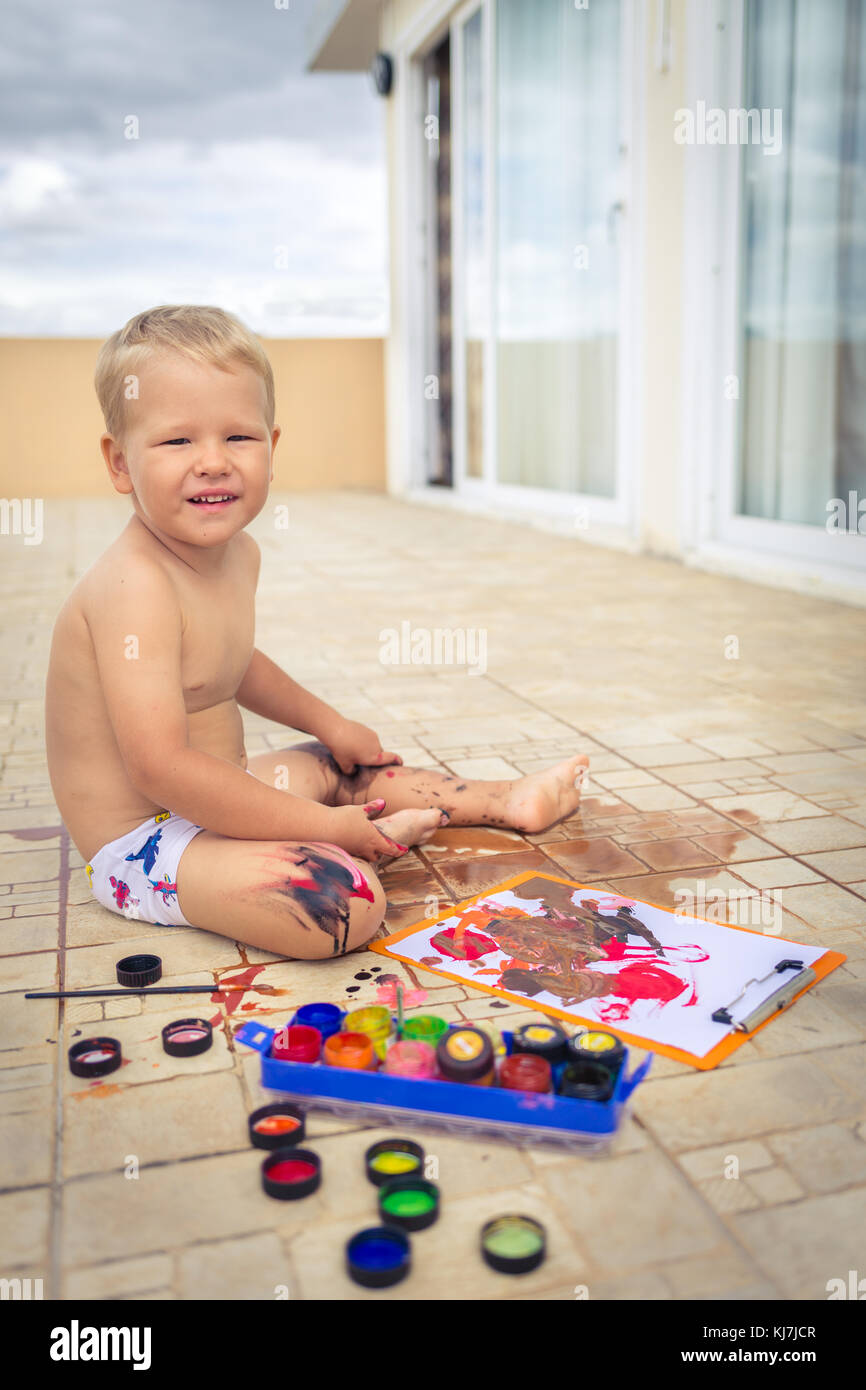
x=297 y=1043
x=523 y=1071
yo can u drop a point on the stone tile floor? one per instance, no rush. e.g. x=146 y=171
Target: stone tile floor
x=727 y=731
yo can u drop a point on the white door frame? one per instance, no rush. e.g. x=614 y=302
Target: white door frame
x=609 y=520
x=712 y=346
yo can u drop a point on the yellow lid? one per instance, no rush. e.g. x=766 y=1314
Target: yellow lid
x=463 y=1046
x=597 y=1042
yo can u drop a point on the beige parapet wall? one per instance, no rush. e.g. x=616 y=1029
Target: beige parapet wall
x=330 y=406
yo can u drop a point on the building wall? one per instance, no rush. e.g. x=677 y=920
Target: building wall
x=329 y=396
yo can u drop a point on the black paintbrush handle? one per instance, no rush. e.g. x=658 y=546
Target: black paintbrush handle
x=145 y=989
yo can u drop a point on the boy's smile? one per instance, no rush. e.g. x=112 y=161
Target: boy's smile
x=197 y=453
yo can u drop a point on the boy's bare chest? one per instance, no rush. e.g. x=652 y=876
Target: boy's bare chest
x=218 y=642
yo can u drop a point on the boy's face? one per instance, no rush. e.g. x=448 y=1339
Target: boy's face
x=194 y=429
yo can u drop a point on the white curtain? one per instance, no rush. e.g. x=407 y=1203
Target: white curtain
x=804 y=283
x=557 y=157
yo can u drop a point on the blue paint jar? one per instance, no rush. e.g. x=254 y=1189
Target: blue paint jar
x=326 y=1017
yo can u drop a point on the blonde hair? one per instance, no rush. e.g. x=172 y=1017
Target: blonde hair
x=200 y=331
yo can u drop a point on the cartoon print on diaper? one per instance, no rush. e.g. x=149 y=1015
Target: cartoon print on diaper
x=148 y=851
x=122 y=895
x=166 y=888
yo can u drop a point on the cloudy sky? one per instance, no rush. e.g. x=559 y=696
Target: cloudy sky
x=252 y=184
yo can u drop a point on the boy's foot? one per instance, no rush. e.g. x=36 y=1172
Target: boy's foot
x=412 y=827
x=537 y=801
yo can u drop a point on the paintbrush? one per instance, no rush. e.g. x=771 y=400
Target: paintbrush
x=399 y=1011
x=145 y=989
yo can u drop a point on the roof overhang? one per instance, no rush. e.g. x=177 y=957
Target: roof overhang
x=343 y=35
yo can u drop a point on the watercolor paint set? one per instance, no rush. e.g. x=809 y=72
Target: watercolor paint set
x=537 y=1085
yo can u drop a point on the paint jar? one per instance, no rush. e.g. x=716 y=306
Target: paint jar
x=523 y=1071
x=297 y=1043
x=513 y=1244
x=353 y=1050
x=596 y=1046
x=411 y=1203
x=545 y=1040
x=586 y=1081
x=327 y=1018
x=466 y=1054
x=409 y=1058
x=426 y=1028
x=393 y=1158
x=376 y=1022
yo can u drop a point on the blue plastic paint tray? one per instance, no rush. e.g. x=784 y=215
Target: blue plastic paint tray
x=376 y=1098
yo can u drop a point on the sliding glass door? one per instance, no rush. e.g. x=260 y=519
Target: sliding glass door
x=538 y=164
x=796 y=455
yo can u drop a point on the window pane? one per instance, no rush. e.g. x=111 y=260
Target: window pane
x=557 y=158
x=804 y=286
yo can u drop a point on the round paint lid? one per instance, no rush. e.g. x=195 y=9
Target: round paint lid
x=136 y=971
x=513 y=1244
x=379 y=1256
x=546 y=1040
x=291 y=1173
x=95 y=1057
x=186 y=1037
x=599 y=1046
x=464 y=1054
x=393 y=1158
x=411 y=1203
x=276 y=1126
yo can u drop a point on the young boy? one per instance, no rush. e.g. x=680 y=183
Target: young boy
x=153 y=653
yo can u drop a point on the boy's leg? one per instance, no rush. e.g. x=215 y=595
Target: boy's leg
x=306 y=901
x=528 y=803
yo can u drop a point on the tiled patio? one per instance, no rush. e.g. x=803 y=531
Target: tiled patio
x=744 y=772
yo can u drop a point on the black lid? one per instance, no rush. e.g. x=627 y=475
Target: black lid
x=514 y=1264
x=107 y=1057
x=276 y=1139
x=586 y=1080
x=137 y=971
x=366 y=1273
x=299 y=1187
x=464 y=1068
x=403 y=1146
x=409 y=1222
x=199 y=1039
x=550 y=1043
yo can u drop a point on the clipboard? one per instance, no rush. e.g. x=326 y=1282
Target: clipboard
x=792 y=987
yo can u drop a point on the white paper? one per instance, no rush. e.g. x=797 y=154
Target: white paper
x=702 y=966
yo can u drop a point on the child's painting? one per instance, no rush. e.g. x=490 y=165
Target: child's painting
x=653 y=976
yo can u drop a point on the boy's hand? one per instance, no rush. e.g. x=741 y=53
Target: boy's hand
x=353 y=831
x=353 y=745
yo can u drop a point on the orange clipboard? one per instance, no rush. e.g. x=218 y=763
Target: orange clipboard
x=385 y=947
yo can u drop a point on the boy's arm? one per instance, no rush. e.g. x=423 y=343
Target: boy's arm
x=136 y=627
x=267 y=690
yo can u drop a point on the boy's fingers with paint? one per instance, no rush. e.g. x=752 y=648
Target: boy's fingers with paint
x=354 y=832
x=353 y=745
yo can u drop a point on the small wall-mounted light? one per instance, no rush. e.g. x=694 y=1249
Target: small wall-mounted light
x=382 y=73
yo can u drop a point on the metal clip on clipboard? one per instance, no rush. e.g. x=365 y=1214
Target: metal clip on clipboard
x=779 y=999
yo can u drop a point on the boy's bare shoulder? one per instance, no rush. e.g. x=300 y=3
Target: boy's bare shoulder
x=131 y=566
